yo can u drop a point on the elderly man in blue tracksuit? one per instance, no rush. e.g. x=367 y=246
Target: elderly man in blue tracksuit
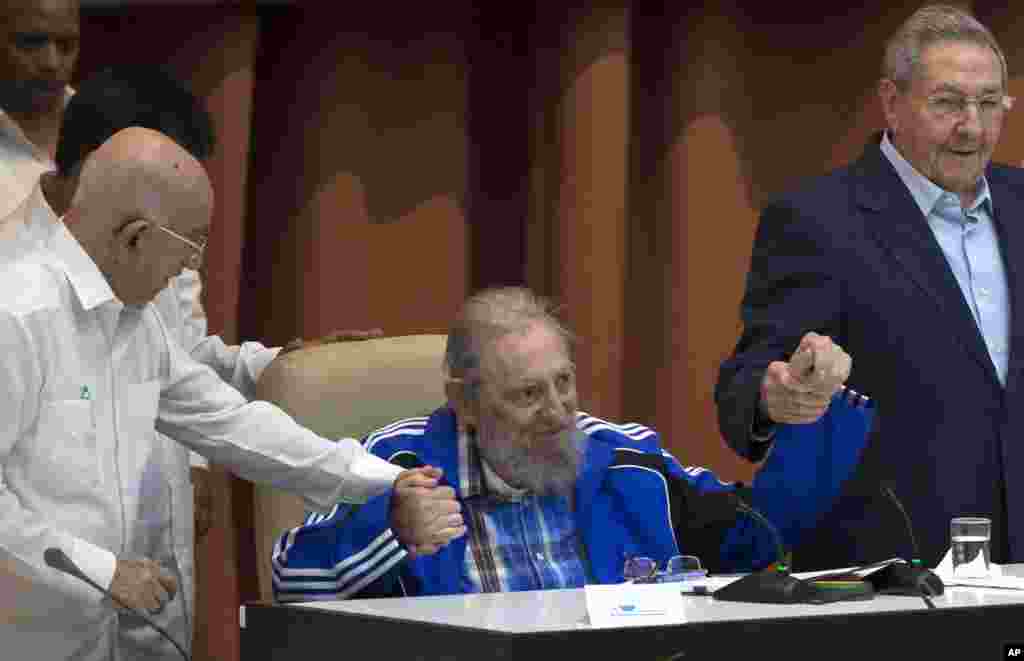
x=550 y=497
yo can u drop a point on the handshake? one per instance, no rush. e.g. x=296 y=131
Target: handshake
x=425 y=516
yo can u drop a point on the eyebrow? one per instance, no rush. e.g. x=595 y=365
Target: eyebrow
x=532 y=380
x=948 y=87
x=47 y=35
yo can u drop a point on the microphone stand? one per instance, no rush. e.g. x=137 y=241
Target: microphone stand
x=777 y=586
x=909 y=578
x=60 y=561
x=768 y=586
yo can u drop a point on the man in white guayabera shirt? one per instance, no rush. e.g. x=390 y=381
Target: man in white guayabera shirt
x=87 y=376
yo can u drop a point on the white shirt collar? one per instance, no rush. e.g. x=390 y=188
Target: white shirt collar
x=925 y=192
x=41 y=225
x=89 y=285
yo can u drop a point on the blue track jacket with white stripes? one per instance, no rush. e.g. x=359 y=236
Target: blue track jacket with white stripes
x=632 y=499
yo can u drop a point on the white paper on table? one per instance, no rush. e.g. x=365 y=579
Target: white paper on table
x=847 y=570
x=634 y=605
x=995 y=579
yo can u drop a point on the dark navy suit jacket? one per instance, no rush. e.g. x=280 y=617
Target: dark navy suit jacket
x=851 y=256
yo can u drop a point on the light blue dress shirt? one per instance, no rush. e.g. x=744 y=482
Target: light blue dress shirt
x=968 y=240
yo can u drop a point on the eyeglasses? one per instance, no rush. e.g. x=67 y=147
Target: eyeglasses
x=678 y=568
x=198 y=248
x=949 y=106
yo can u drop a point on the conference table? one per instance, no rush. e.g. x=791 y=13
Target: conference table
x=967 y=624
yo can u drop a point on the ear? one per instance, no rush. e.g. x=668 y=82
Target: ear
x=890 y=96
x=465 y=411
x=126 y=239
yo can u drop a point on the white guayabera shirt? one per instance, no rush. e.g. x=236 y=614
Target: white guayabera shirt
x=178 y=305
x=84 y=384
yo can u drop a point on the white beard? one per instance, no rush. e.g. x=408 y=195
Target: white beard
x=550 y=475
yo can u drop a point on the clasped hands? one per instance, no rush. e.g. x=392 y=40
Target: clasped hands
x=799 y=391
x=425 y=516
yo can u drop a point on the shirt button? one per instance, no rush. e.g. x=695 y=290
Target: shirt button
x=540 y=557
x=983 y=292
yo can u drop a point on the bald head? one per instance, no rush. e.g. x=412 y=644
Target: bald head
x=140 y=198
x=142 y=173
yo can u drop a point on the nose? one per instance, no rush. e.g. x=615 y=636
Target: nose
x=48 y=59
x=970 y=118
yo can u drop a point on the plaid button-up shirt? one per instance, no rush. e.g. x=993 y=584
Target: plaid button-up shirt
x=515 y=540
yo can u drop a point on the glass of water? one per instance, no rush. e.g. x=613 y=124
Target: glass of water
x=970 y=546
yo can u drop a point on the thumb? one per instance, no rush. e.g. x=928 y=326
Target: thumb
x=433 y=472
x=168 y=581
x=802 y=363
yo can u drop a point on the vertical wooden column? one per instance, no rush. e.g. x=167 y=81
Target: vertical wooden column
x=359 y=175
x=1006 y=21
x=592 y=114
x=500 y=77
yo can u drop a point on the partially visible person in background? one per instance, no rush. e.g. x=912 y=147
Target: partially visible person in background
x=38 y=53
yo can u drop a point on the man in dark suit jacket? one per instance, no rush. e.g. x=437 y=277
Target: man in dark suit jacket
x=911 y=260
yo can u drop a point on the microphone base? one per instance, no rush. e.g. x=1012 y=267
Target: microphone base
x=766 y=587
x=774 y=587
x=905 y=579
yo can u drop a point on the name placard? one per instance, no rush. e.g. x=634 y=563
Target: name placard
x=632 y=605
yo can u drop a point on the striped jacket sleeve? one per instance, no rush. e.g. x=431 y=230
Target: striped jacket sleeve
x=348 y=552
x=798 y=483
x=351 y=551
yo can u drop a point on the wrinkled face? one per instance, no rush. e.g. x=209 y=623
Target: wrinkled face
x=38 y=51
x=948 y=141
x=144 y=263
x=526 y=413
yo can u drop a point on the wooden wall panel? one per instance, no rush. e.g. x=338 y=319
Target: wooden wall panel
x=1006 y=20
x=359 y=177
x=579 y=128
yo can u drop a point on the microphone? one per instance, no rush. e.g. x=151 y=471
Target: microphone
x=777 y=586
x=60 y=561
x=906 y=578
